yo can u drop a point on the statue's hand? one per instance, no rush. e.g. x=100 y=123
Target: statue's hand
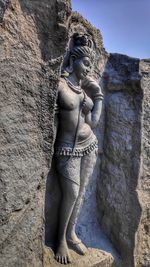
x=88 y=82
x=91 y=87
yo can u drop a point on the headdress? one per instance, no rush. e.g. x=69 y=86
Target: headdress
x=81 y=45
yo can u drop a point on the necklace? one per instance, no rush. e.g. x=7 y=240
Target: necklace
x=76 y=89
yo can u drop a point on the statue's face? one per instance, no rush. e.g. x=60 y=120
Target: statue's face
x=81 y=67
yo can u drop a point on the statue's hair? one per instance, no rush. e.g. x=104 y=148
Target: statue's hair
x=81 y=51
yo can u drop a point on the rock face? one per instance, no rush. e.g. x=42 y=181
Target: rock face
x=142 y=238
x=93 y=258
x=33 y=39
x=31 y=46
x=123 y=193
x=3 y=6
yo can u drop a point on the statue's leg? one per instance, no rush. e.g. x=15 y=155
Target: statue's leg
x=87 y=166
x=70 y=191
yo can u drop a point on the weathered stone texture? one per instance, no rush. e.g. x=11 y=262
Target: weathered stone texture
x=33 y=39
x=93 y=258
x=119 y=198
x=142 y=248
x=31 y=46
x=3 y=6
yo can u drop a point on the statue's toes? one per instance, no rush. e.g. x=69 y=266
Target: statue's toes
x=63 y=259
x=58 y=258
x=67 y=260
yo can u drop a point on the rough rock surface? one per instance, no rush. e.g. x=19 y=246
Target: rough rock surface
x=33 y=39
x=123 y=193
x=31 y=46
x=3 y=7
x=93 y=258
x=142 y=239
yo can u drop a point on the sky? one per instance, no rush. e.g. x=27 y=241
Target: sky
x=124 y=24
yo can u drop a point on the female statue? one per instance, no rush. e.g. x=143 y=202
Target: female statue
x=78 y=112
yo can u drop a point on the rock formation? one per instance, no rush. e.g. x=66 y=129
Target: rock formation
x=31 y=46
x=33 y=40
x=123 y=182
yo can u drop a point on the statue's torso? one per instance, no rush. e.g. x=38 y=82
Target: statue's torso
x=71 y=114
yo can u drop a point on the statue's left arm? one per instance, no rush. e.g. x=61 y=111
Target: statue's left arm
x=92 y=118
x=96 y=112
x=94 y=91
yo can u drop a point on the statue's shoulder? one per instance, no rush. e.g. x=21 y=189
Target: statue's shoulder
x=62 y=84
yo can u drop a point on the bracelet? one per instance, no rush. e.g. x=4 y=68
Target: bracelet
x=98 y=96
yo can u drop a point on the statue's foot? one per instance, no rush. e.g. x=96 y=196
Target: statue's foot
x=62 y=254
x=76 y=244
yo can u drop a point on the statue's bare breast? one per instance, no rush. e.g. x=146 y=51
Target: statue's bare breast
x=70 y=116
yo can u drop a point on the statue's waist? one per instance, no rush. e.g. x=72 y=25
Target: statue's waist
x=80 y=148
x=68 y=131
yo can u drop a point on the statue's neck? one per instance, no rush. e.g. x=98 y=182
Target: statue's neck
x=73 y=79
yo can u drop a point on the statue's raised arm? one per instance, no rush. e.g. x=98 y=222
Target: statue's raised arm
x=92 y=88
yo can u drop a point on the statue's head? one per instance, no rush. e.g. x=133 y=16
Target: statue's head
x=80 y=56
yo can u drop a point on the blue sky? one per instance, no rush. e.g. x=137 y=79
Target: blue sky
x=124 y=24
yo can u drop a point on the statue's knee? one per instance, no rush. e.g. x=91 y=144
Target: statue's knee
x=73 y=192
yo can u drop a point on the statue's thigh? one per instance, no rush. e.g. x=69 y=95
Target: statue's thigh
x=69 y=168
x=88 y=163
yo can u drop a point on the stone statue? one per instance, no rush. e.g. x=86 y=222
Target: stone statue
x=78 y=110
